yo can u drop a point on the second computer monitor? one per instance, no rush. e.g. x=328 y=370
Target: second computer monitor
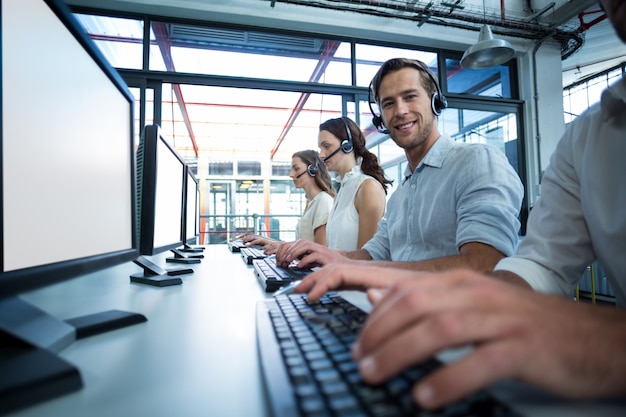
x=161 y=175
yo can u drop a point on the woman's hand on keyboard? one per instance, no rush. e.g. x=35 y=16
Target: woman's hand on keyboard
x=575 y=350
x=269 y=245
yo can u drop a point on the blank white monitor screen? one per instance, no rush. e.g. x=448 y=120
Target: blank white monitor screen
x=66 y=188
x=66 y=145
x=168 y=214
x=191 y=217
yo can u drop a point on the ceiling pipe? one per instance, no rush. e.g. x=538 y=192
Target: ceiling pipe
x=438 y=14
x=533 y=17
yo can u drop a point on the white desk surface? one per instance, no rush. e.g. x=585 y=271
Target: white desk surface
x=196 y=355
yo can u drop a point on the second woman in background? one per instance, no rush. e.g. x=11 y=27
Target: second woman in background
x=360 y=202
x=309 y=173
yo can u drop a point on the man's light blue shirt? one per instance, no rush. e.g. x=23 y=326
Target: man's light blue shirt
x=459 y=193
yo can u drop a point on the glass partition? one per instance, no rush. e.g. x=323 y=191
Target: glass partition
x=370 y=57
x=476 y=126
x=120 y=40
x=490 y=82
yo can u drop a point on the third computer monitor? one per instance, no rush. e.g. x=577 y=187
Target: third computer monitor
x=192 y=209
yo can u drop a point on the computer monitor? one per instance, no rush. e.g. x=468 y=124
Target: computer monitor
x=191 y=229
x=66 y=186
x=161 y=190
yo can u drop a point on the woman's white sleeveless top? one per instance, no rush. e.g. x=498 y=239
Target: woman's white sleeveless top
x=342 y=229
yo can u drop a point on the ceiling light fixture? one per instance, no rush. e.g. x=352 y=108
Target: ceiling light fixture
x=487 y=52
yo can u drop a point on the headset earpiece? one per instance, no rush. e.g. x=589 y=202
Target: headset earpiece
x=313 y=169
x=438 y=101
x=377 y=120
x=346 y=144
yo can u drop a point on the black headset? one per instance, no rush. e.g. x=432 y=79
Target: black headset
x=311 y=169
x=438 y=101
x=346 y=145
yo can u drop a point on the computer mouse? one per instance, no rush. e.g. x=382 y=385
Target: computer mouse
x=287 y=289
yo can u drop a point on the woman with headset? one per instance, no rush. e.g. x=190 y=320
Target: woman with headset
x=309 y=173
x=360 y=202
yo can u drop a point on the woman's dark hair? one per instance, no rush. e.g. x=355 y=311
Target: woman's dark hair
x=322 y=178
x=370 y=164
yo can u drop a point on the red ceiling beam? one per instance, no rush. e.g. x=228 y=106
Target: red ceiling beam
x=165 y=46
x=329 y=51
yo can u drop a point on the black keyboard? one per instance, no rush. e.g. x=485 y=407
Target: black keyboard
x=272 y=277
x=250 y=254
x=304 y=349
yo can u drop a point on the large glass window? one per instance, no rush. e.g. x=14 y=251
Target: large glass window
x=475 y=126
x=370 y=57
x=580 y=96
x=237 y=103
x=120 y=40
x=490 y=82
x=242 y=53
x=244 y=123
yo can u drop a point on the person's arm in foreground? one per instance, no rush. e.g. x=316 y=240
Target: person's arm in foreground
x=571 y=349
x=342 y=276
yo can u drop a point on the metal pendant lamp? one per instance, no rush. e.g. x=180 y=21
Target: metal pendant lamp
x=487 y=52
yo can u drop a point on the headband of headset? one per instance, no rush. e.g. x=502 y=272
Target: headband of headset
x=438 y=101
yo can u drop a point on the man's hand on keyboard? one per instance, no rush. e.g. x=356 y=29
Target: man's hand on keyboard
x=308 y=253
x=350 y=275
x=575 y=350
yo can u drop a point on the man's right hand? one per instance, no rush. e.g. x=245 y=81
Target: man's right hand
x=349 y=275
x=309 y=253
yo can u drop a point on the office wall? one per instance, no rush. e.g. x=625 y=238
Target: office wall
x=544 y=124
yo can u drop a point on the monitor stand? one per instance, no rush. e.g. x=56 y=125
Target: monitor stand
x=193 y=249
x=185 y=258
x=29 y=337
x=155 y=275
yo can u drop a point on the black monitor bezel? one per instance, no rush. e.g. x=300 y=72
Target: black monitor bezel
x=151 y=135
x=27 y=279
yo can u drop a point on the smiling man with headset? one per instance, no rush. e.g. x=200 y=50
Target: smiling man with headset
x=457 y=205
